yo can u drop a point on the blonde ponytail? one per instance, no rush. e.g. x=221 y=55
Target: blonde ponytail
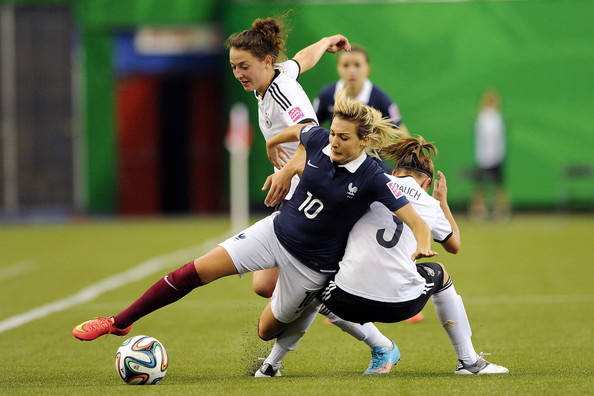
x=370 y=123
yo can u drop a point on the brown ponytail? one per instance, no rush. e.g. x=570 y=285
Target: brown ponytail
x=266 y=38
x=412 y=154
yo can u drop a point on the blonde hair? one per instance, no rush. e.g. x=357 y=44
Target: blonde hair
x=412 y=154
x=267 y=37
x=369 y=121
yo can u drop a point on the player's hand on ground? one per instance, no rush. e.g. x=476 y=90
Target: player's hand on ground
x=279 y=183
x=338 y=42
x=440 y=188
x=423 y=253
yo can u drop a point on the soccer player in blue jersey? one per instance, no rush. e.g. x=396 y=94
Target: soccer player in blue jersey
x=353 y=68
x=258 y=62
x=305 y=240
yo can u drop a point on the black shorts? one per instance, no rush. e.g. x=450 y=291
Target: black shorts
x=362 y=310
x=490 y=175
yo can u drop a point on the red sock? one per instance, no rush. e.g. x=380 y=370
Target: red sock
x=167 y=290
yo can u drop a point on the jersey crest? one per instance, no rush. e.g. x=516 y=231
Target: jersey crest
x=352 y=190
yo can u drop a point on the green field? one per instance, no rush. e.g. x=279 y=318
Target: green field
x=527 y=286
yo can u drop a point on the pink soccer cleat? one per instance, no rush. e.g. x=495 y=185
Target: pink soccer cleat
x=92 y=329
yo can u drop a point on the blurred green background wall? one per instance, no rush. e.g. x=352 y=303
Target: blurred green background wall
x=433 y=58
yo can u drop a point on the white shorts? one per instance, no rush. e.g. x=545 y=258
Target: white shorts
x=257 y=248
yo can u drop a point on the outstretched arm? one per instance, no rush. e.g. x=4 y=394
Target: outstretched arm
x=309 y=56
x=419 y=228
x=440 y=192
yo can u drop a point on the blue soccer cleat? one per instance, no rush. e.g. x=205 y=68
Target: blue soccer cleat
x=382 y=360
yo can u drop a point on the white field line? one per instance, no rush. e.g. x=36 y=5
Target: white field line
x=142 y=270
x=17 y=269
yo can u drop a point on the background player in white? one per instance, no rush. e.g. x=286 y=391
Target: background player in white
x=256 y=56
x=378 y=281
x=490 y=148
x=305 y=240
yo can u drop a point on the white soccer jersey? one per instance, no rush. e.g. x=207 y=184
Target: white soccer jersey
x=490 y=138
x=284 y=104
x=377 y=262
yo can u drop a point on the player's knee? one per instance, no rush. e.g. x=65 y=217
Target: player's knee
x=446 y=276
x=267 y=333
x=263 y=290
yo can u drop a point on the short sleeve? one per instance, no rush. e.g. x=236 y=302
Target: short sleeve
x=389 y=194
x=311 y=134
x=441 y=230
x=291 y=68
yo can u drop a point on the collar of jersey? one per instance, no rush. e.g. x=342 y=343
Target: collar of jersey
x=351 y=166
x=363 y=96
x=277 y=72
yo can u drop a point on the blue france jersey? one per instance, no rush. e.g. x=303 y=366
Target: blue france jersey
x=314 y=225
x=370 y=95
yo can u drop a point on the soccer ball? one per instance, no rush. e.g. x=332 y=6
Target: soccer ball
x=141 y=360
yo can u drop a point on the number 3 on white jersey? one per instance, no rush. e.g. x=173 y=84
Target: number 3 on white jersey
x=308 y=206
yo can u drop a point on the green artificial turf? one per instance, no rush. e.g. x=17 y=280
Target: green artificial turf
x=526 y=285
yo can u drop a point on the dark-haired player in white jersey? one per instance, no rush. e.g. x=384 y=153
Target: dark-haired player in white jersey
x=378 y=281
x=258 y=61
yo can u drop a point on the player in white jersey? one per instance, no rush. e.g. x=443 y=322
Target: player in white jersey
x=256 y=57
x=379 y=282
x=490 y=144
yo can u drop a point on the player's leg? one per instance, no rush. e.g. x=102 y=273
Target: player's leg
x=172 y=287
x=242 y=253
x=264 y=282
x=291 y=310
x=287 y=340
x=502 y=209
x=384 y=352
x=269 y=327
x=478 y=209
x=368 y=332
x=452 y=316
x=339 y=303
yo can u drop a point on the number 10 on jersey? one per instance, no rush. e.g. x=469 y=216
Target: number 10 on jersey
x=311 y=207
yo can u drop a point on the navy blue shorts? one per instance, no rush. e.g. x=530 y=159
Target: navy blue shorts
x=362 y=310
